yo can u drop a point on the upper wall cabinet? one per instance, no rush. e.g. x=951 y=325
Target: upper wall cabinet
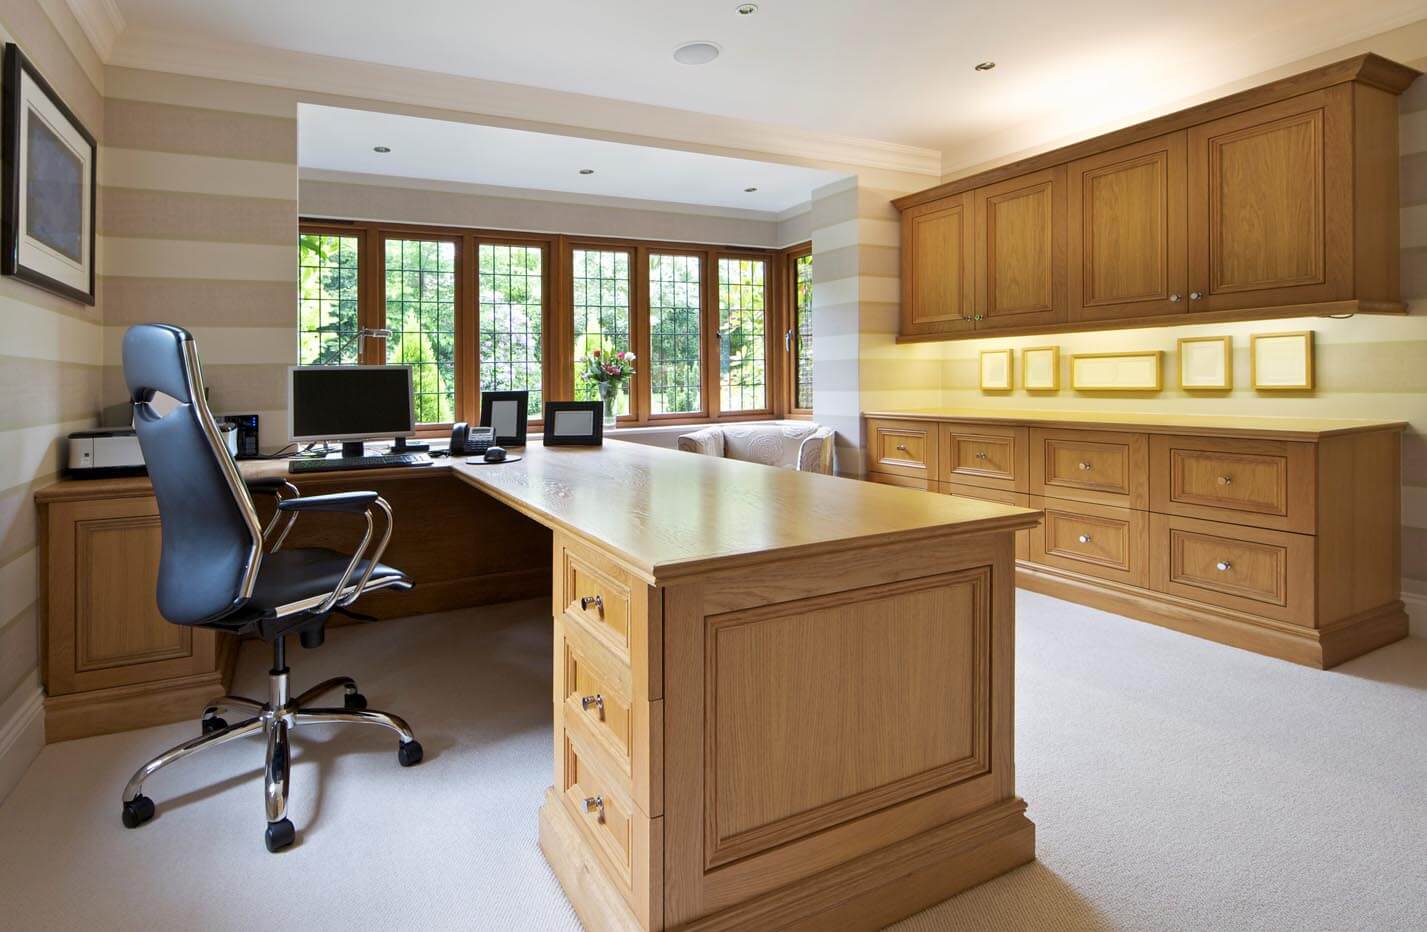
x=1276 y=202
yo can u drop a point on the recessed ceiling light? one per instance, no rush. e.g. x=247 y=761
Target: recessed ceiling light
x=747 y=9
x=985 y=66
x=587 y=171
x=749 y=190
x=381 y=149
x=696 y=53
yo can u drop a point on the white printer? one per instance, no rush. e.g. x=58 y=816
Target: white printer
x=105 y=451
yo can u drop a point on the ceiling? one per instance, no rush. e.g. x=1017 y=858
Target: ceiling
x=898 y=72
x=338 y=139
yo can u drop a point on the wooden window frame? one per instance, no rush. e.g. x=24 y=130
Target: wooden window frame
x=364 y=308
x=788 y=307
x=557 y=313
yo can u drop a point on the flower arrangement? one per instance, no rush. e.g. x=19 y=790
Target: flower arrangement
x=608 y=367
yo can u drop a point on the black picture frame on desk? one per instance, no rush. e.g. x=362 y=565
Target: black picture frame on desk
x=496 y=411
x=50 y=169
x=574 y=423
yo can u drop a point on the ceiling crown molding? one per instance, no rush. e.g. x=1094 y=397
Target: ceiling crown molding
x=102 y=23
x=529 y=107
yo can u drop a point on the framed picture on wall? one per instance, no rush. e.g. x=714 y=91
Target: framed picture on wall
x=1282 y=362
x=50 y=167
x=1040 y=368
x=1206 y=364
x=996 y=370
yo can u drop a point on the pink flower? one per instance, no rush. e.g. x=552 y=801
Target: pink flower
x=619 y=355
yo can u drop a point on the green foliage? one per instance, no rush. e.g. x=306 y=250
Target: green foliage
x=327 y=291
x=511 y=306
x=742 y=335
x=674 y=351
x=601 y=305
x=421 y=314
x=803 y=314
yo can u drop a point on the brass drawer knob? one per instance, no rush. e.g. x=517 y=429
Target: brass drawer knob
x=1226 y=480
x=1223 y=566
x=595 y=804
x=593 y=702
x=592 y=600
x=1085 y=466
x=981 y=454
x=902 y=447
x=1084 y=538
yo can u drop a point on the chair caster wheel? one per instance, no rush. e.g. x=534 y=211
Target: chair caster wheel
x=409 y=754
x=279 y=835
x=354 y=702
x=211 y=725
x=137 y=811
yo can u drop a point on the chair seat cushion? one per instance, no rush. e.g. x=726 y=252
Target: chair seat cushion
x=290 y=576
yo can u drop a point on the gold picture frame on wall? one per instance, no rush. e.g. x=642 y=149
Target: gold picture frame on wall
x=996 y=370
x=1040 y=368
x=1281 y=362
x=1137 y=371
x=1206 y=364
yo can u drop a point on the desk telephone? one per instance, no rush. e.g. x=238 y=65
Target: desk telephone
x=471 y=440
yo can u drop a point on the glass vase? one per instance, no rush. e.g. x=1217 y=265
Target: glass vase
x=609 y=396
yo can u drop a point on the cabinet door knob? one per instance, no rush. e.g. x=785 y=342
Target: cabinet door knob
x=1085 y=466
x=1195 y=295
x=1084 y=538
x=595 y=804
x=1226 y=480
x=981 y=454
x=902 y=447
x=596 y=600
x=1174 y=297
x=593 y=702
x=1223 y=566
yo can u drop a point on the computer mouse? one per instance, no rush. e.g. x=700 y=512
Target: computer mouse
x=495 y=454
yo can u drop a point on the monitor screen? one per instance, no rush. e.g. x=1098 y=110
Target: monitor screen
x=349 y=402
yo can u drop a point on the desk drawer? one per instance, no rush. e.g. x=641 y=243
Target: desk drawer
x=594 y=695
x=1264 y=572
x=1021 y=499
x=624 y=839
x=984 y=455
x=1263 y=483
x=902 y=448
x=1091 y=466
x=1097 y=540
x=902 y=481
x=612 y=605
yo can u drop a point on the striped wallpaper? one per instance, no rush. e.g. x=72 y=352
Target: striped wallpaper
x=50 y=376
x=198 y=228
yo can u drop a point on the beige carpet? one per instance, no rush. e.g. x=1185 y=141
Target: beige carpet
x=1176 y=785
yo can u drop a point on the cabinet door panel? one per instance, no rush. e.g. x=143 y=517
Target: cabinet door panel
x=937 y=283
x=1127 y=229
x=1021 y=250
x=1270 y=215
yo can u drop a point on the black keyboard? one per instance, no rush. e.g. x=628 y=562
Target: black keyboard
x=334 y=464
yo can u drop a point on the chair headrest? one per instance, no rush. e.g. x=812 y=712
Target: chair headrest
x=154 y=361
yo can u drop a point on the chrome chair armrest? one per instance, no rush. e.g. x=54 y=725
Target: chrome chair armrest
x=348 y=502
x=281 y=490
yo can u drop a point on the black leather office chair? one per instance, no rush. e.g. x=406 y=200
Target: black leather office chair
x=214 y=573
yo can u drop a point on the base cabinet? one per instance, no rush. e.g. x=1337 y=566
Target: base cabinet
x=1280 y=541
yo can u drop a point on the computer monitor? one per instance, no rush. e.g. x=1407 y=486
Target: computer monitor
x=349 y=403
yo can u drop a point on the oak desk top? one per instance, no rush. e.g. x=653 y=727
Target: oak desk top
x=668 y=513
x=1278 y=428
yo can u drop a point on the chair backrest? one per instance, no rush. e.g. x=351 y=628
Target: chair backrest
x=769 y=444
x=212 y=542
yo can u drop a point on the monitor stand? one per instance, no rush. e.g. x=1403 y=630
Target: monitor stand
x=351 y=449
x=402 y=445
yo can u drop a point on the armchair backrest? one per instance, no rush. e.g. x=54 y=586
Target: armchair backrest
x=803 y=446
x=212 y=542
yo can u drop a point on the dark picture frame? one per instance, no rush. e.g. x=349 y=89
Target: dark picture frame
x=56 y=232
x=558 y=434
x=521 y=399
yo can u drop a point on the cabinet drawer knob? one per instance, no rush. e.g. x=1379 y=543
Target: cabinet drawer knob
x=1226 y=480
x=1174 y=297
x=981 y=454
x=1084 y=538
x=1195 y=295
x=593 y=702
x=586 y=601
x=1085 y=466
x=1223 y=566
x=595 y=804
x=902 y=447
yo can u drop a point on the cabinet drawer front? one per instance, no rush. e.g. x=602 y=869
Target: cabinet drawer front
x=1075 y=464
x=1107 y=467
x=609 y=822
x=1097 y=540
x=1260 y=483
x=902 y=448
x=985 y=455
x=595 y=688
x=905 y=482
x=1267 y=573
x=598 y=600
x=615 y=608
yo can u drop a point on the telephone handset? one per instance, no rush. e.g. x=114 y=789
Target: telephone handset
x=471 y=440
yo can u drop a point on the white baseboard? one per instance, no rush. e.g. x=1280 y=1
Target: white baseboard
x=21 y=740
x=1416 y=606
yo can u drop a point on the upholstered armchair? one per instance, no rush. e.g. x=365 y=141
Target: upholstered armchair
x=805 y=447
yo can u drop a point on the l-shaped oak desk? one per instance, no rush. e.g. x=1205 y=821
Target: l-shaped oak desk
x=781 y=700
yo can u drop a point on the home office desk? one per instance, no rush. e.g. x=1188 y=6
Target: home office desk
x=780 y=699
